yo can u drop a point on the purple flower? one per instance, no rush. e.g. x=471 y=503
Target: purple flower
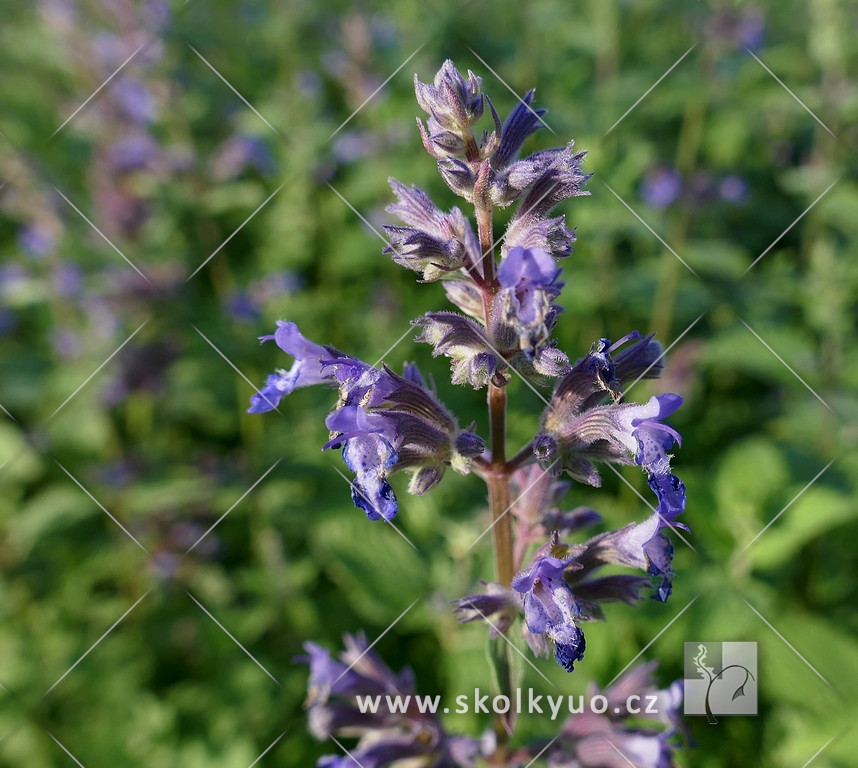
x=577 y=431
x=434 y=243
x=521 y=123
x=386 y=734
x=464 y=342
x=529 y=280
x=620 y=737
x=661 y=186
x=550 y=608
x=453 y=105
x=308 y=368
x=541 y=181
x=383 y=422
x=369 y=453
x=497 y=604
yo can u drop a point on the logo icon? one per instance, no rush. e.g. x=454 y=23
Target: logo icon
x=720 y=679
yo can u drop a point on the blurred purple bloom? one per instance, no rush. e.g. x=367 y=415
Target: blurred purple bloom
x=619 y=737
x=66 y=343
x=67 y=280
x=242 y=307
x=238 y=153
x=386 y=737
x=133 y=153
x=352 y=145
x=8 y=321
x=661 y=186
x=733 y=189
x=751 y=30
x=37 y=240
x=135 y=98
x=309 y=83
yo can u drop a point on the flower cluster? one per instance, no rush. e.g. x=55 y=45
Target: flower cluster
x=406 y=733
x=383 y=422
x=609 y=739
x=386 y=737
x=560 y=587
x=506 y=314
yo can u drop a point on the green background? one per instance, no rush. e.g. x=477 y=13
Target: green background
x=159 y=437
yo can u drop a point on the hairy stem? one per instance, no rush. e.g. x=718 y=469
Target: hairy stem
x=498 y=475
x=484 y=228
x=498 y=481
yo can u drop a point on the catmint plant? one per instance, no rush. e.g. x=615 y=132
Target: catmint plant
x=547 y=584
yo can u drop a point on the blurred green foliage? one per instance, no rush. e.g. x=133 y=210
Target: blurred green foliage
x=159 y=438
